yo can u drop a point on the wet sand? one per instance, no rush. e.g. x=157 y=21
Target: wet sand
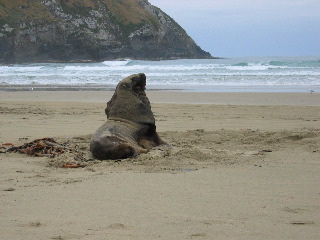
x=243 y=166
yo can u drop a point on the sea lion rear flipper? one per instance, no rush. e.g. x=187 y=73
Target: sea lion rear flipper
x=111 y=148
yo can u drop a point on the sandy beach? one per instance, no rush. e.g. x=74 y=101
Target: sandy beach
x=242 y=166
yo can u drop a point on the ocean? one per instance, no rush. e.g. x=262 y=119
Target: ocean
x=249 y=74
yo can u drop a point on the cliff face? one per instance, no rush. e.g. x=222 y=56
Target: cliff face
x=79 y=30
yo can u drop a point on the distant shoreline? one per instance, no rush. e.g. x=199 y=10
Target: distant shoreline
x=10 y=63
x=209 y=89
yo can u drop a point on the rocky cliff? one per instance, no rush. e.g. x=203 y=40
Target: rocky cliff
x=93 y=30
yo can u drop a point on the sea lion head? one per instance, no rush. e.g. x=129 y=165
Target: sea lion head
x=130 y=102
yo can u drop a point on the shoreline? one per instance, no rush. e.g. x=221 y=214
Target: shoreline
x=172 y=97
x=203 y=89
x=10 y=63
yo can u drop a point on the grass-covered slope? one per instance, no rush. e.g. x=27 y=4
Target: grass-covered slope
x=78 y=30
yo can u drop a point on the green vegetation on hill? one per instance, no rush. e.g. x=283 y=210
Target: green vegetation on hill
x=75 y=30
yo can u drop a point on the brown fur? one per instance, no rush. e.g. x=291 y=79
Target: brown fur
x=130 y=129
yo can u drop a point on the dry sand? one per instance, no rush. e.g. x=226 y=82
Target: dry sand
x=243 y=166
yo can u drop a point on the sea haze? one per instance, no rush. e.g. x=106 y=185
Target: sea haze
x=254 y=74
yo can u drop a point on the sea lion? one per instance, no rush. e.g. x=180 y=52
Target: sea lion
x=130 y=128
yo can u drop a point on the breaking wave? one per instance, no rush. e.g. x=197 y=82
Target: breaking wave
x=198 y=75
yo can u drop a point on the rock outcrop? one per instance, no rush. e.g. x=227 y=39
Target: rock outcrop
x=90 y=30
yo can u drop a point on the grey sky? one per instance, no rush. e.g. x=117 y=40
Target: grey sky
x=249 y=28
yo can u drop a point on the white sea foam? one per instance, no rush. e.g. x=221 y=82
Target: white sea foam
x=116 y=63
x=19 y=69
x=248 y=68
x=198 y=75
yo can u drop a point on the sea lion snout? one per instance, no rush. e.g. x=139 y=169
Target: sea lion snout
x=133 y=82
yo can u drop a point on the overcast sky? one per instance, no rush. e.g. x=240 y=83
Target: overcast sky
x=229 y=28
